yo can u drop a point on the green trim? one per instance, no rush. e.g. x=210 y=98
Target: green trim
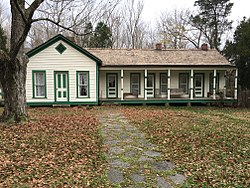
x=116 y=87
x=143 y=101
x=33 y=84
x=203 y=84
x=55 y=73
x=60 y=48
x=97 y=82
x=67 y=41
x=139 y=91
x=186 y=74
x=77 y=86
x=60 y=103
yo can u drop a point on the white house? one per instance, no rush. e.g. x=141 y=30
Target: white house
x=60 y=72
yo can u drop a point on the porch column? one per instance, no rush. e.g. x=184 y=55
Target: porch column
x=122 y=84
x=192 y=84
x=236 y=84
x=214 y=85
x=145 y=84
x=169 y=82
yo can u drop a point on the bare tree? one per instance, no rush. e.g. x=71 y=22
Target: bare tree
x=70 y=17
x=151 y=37
x=177 y=31
x=133 y=23
x=13 y=63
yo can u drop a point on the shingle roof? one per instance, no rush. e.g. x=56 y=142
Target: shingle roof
x=123 y=57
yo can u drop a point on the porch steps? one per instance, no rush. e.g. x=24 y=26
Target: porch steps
x=61 y=105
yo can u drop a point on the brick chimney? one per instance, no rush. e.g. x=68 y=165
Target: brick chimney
x=158 y=46
x=204 y=47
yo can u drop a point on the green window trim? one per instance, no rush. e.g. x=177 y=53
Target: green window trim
x=77 y=84
x=139 y=82
x=34 y=72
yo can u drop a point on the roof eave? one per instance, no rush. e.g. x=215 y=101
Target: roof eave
x=61 y=37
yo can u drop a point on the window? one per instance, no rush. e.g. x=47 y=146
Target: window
x=183 y=82
x=83 y=84
x=163 y=83
x=211 y=82
x=39 y=84
x=135 y=83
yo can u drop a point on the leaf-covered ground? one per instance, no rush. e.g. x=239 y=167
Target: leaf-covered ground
x=211 y=146
x=60 y=147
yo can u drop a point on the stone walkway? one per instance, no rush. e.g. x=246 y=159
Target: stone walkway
x=133 y=160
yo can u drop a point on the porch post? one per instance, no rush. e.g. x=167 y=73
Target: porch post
x=169 y=82
x=192 y=84
x=236 y=84
x=122 y=84
x=214 y=85
x=145 y=84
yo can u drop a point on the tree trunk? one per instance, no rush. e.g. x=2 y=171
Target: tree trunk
x=13 y=81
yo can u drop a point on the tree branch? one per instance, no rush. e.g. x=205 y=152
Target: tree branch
x=20 y=11
x=33 y=7
x=58 y=24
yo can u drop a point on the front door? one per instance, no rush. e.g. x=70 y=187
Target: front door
x=151 y=85
x=198 y=85
x=112 y=86
x=61 y=86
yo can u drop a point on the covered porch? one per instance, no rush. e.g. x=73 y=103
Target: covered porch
x=152 y=85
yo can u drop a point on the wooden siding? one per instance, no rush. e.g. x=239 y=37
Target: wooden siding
x=70 y=60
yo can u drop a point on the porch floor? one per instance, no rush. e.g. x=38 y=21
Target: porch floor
x=165 y=100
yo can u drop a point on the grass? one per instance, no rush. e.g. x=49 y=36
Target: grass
x=211 y=146
x=60 y=147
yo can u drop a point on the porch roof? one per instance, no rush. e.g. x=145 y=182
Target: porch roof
x=170 y=57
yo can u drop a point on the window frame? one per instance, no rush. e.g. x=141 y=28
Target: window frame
x=163 y=92
x=34 y=72
x=187 y=83
x=78 y=84
x=139 y=82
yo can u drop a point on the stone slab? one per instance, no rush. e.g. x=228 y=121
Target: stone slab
x=163 y=165
x=151 y=153
x=178 y=178
x=137 y=178
x=119 y=164
x=116 y=150
x=162 y=183
x=115 y=176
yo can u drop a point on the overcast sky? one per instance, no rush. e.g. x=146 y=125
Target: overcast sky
x=153 y=8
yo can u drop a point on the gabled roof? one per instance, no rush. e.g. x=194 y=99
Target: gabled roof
x=170 y=57
x=67 y=41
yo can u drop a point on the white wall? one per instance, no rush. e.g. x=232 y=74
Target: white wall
x=70 y=60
